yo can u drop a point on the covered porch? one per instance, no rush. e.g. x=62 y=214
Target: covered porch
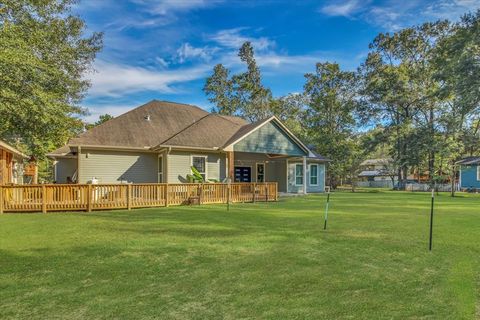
x=269 y=152
x=293 y=174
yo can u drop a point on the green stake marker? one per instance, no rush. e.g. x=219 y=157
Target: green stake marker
x=326 y=210
x=431 y=220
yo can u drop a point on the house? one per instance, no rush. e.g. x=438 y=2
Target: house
x=11 y=164
x=469 y=173
x=160 y=141
x=377 y=173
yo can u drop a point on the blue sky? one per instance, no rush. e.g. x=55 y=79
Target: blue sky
x=165 y=49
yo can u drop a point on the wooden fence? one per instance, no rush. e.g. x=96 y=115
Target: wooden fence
x=88 y=197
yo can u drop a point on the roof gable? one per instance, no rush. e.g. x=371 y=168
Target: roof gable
x=269 y=136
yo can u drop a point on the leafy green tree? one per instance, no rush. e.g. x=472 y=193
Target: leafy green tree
x=329 y=117
x=401 y=92
x=240 y=94
x=101 y=119
x=220 y=92
x=44 y=56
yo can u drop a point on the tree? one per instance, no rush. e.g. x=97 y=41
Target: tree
x=457 y=61
x=240 y=94
x=43 y=59
x=219 y=90
x=400 y=91
x=329 y=119
x=101 y=119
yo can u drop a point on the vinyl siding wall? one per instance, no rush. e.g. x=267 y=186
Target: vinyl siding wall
x=180 y=162
x=65 y=168
x=469 y=177
x=269 y=139
x=118 y=166
x=310 y=188
x=275 y=169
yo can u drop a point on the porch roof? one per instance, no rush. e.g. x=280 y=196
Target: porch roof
x=9 y=148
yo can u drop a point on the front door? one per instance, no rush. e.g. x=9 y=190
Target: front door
x=243 y=174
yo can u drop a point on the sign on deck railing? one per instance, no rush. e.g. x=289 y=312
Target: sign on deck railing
x=88 y=197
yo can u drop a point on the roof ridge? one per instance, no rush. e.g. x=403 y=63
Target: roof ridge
x=224 y=117
x=184 y=129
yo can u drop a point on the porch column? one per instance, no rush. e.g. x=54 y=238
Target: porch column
x=231 y=160
x=305 y=175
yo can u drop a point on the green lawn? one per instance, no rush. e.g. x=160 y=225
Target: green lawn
x=270 y=261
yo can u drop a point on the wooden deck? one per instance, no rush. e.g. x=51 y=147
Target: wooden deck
x=88 y=197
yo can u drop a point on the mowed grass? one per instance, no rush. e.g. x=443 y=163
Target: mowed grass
x=271 y=261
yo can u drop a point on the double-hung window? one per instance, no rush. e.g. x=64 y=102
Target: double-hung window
x=299 y=174
x=200 y=163
x=314 y=174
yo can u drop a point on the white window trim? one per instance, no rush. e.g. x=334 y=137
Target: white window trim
x=206 y=163
x=310 y=177
x=295 y=175
x=158 y=168
x=478 y=172
x=264 y=171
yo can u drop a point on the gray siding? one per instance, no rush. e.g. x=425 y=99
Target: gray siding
x=117 y=166
x=269 y=139
x=179 y=163
x=310 y=188
x=65 y=168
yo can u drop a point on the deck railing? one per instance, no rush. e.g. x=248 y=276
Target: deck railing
x=88 y=197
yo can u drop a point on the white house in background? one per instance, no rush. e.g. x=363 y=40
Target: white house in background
x=377 y=173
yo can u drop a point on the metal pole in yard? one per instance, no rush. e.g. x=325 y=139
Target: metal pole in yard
x=326 y=210
x=431 y=220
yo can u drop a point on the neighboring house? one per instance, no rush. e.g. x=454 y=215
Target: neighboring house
x=160 y=142
x=11 y=164
x=469 y=173
x=377 y=173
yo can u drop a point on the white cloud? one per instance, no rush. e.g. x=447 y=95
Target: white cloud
x=187 y=51
x=164 y=7
x=393 y=15
x=345 y=9
x=120 y=79
x=164 y=63
x=232 y=38
x=95 y=111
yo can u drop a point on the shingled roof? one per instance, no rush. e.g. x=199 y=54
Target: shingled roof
x=141 y=127
x=158 y=124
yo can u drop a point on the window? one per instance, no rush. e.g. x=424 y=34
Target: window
x=314 y=174
x=260 y=172
x=299 y=174
x=160 y=169
x=200 y=163
x=478 y=172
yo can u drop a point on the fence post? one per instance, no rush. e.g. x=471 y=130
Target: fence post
x=44 y=199
x=166 y=195
x=1 y=200
x=266 y=192
x=200 y=193
x=129 y=197
x=89 y=198
x=254 y=191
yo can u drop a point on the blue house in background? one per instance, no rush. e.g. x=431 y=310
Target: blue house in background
x=469 y=173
